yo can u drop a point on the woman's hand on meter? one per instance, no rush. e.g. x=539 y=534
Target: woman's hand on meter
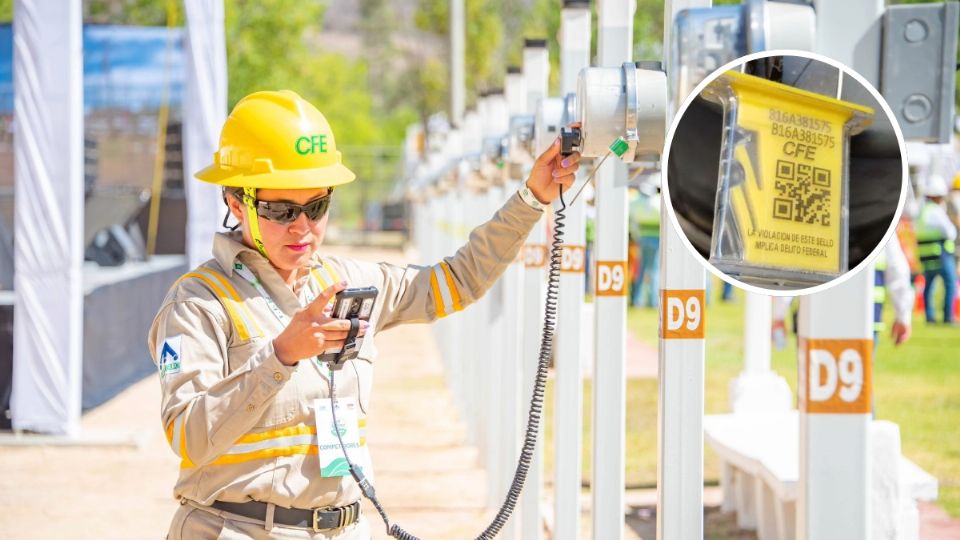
x=312 y=331
x=552 y=170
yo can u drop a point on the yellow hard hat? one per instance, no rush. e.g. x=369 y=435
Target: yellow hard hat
x=276 y=140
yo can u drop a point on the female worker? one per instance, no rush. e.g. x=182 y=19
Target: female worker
x=236 y=339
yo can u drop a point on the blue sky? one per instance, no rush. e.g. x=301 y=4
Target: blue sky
x=123 y=66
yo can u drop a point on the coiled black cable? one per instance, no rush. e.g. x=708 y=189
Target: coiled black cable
x=534 y=415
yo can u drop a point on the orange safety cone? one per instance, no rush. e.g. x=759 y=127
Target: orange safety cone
x=918 y=284
x=956 y=307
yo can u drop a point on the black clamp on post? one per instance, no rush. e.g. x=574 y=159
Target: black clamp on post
x=350 y=349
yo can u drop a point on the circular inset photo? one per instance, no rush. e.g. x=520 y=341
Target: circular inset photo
x=785 y=172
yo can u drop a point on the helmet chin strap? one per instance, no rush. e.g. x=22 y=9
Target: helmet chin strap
x=250 y=201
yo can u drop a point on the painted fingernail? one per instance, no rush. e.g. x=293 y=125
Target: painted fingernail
x=364 y=324
x=344 y=283
x=565 y=163
x=556 y=174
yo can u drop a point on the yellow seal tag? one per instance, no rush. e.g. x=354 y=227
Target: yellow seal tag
x=781 y=208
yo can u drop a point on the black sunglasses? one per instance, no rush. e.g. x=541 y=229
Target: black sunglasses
x=288 y=212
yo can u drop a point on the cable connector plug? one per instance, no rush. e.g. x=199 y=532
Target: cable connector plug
x=365 y=486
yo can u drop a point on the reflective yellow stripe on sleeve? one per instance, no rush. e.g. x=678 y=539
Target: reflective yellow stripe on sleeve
x=445 y=295
x=177 y=437
x=239 y=315
x=457 y=305
x=437 y=297
x=169 y=434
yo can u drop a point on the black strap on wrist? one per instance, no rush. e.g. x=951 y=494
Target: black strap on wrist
x=349 y=350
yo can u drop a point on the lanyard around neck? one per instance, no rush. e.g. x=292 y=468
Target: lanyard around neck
x=246 y=274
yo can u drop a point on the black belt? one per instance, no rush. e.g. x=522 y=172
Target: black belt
x=319 y=519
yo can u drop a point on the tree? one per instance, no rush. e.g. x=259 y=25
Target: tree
x=484 y=40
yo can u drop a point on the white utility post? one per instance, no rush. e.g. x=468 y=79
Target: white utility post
x=496 y=468
x=758 y=388
x=614 y=47
x=834 y=386
x=536 y=73
x=473 y=318
x=836 y=339
x=48 y=221
x=516 y=95
x=681 y=364
x=490 y=365
x=479 y=125
x=500 y=108
x=457 y=84
x=851 y=32
x=575 y=33
x=460 y=348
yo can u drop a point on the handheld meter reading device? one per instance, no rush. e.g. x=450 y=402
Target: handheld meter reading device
x=354 y=305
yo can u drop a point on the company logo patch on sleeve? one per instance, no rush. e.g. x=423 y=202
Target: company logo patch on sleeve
x=169 y=356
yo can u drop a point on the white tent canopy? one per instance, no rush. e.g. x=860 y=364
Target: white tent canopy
x=48 y=169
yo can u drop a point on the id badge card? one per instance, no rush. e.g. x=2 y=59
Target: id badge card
x=353 y=432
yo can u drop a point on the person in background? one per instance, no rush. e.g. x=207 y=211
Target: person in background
x=633 y=268
x=726 y=293
x=935 y=246
x=645 y=229
x=953 y=201
x=778 y=329
x=953 y=206
x=892 y=280
x=591 y=226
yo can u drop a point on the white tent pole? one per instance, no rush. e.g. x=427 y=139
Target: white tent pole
x=204 y=111
x=48 y=221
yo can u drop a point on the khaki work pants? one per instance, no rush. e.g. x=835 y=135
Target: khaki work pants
x=195 y=522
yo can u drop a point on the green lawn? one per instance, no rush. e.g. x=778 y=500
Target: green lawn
x=916 y=385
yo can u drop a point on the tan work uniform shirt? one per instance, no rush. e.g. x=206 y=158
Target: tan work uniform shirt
x=243 y=423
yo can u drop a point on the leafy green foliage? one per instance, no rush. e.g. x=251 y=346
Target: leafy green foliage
x=484 y=31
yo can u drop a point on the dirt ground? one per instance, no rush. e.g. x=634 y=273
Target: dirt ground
x=427 y=476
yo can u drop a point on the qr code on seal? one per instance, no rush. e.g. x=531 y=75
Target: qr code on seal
x=802 y=193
